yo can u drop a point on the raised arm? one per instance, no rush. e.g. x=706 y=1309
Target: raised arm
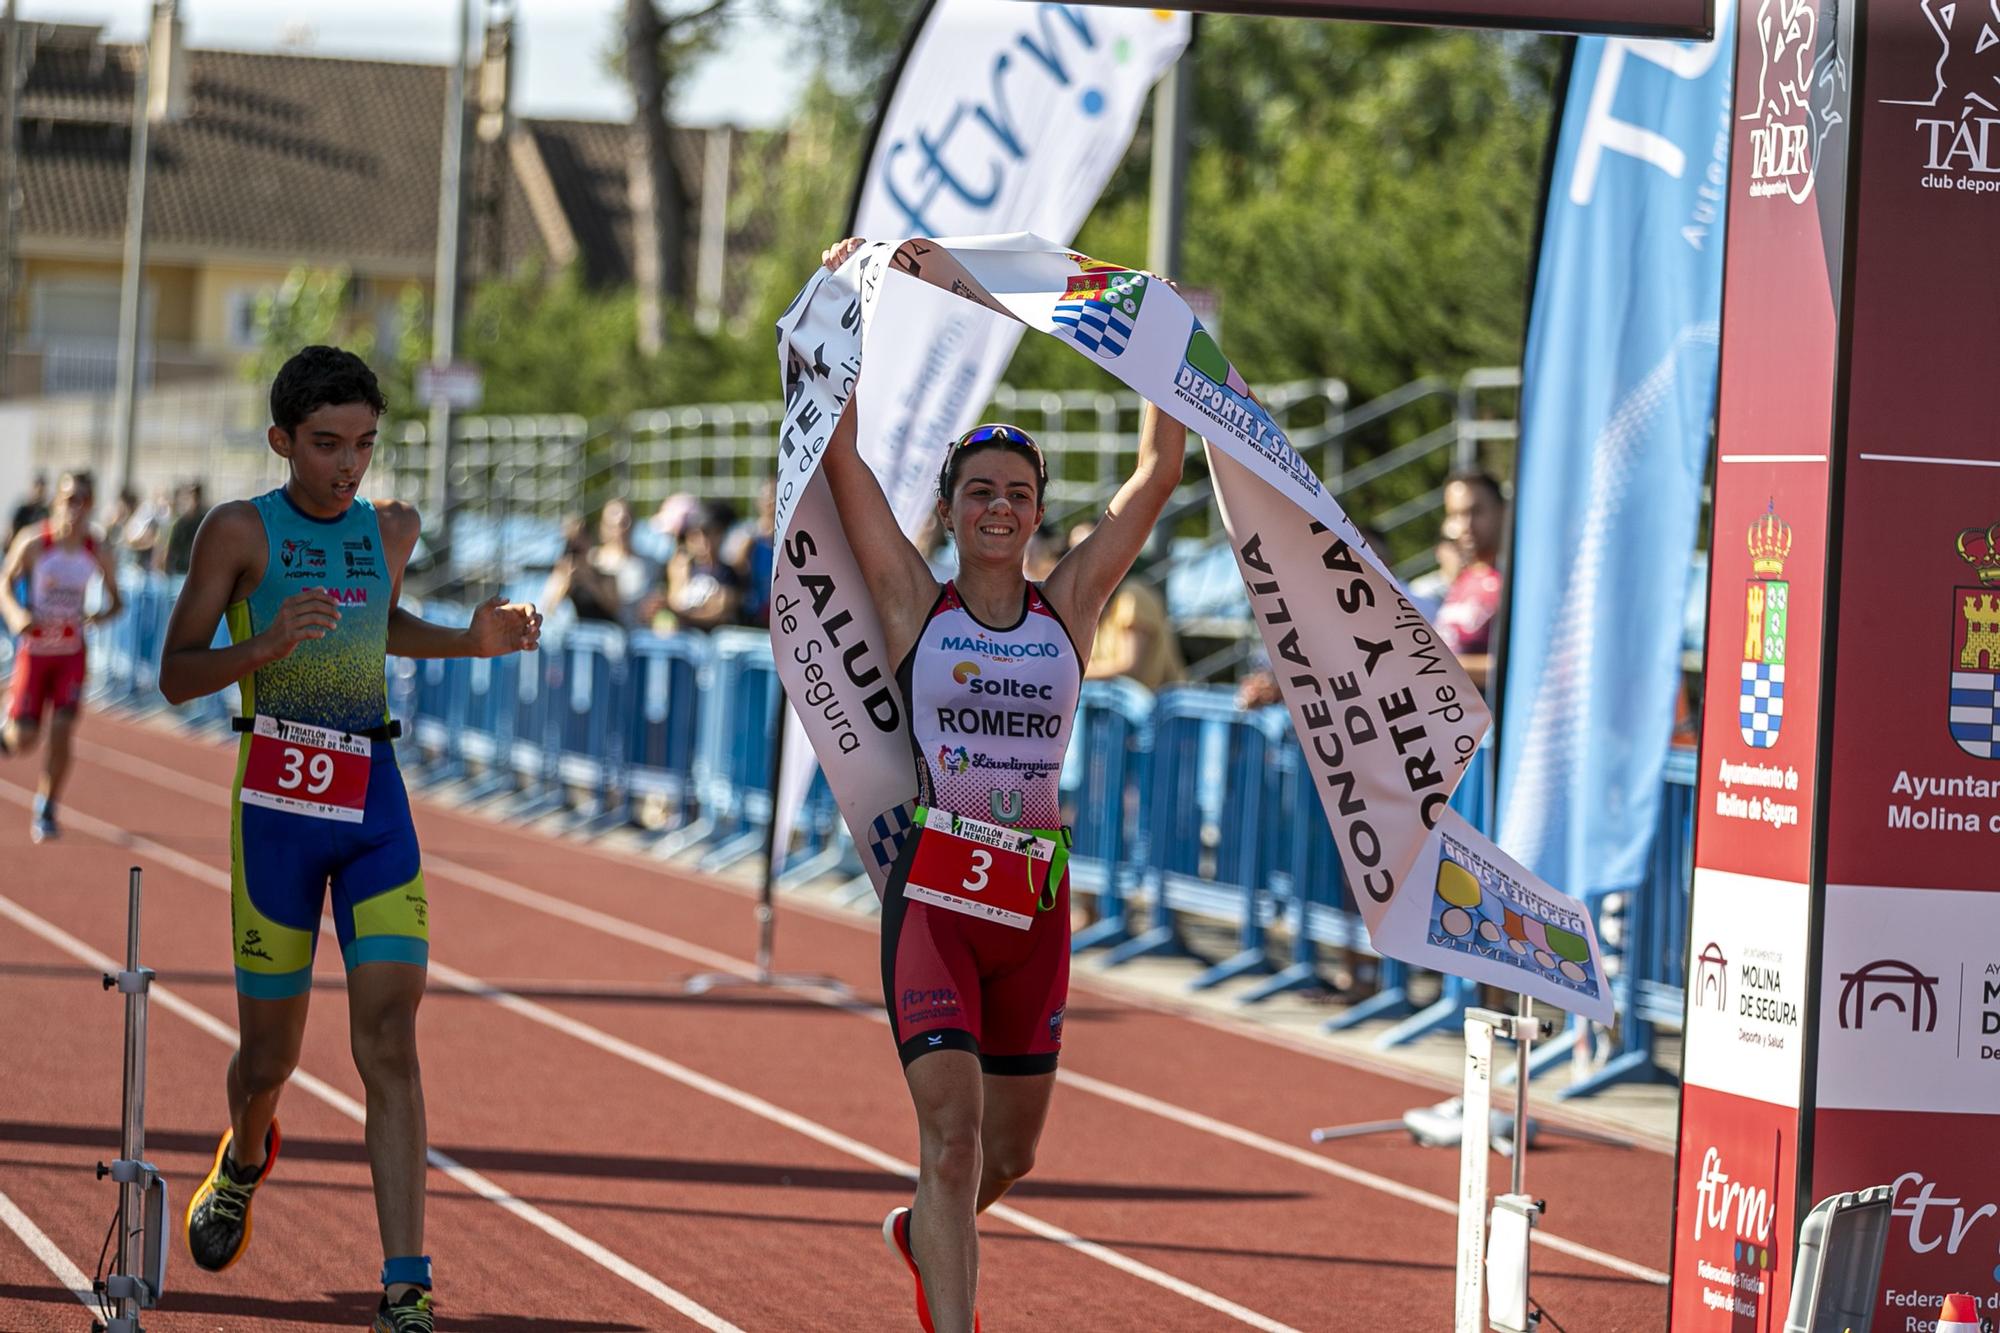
x=898 y=580
x=1085 y=578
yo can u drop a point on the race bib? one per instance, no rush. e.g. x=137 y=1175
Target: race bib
x=304 y=770
x=983 y=870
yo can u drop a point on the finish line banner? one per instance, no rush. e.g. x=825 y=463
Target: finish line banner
x=1385 y=716
x=1002 y=117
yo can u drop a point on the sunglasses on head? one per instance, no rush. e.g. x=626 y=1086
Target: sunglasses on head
x=997 y=433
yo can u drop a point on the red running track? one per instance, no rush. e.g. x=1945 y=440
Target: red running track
x=613 y=1153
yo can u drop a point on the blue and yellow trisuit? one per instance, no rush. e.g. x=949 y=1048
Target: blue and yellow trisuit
x=284 y=848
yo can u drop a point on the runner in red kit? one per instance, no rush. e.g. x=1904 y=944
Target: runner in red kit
x=975 y=919
x=56 y=559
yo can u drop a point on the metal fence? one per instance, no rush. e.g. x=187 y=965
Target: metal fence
x=515 y=476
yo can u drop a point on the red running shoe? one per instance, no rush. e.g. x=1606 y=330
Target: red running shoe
x=896 y=1231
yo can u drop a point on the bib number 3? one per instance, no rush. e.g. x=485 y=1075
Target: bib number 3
x=304 y=770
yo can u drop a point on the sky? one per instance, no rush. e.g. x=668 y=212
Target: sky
x=560 y=45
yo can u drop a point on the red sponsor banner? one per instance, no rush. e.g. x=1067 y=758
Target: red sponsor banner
x=1631 y=18
x=1908 y=1068
x=1944 y=1232
x=1734 y=1213
x=1915 y=796
x=1768 y=549
x=1761 y=718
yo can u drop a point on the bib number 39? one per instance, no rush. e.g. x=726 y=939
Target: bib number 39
x=313 y=771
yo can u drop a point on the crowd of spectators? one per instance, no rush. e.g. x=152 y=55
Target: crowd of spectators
x=694 y=566
x=153 y=535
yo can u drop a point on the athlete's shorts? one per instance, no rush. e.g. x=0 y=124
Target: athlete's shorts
x=955 y=982
x=44 y=680
x=281 y=863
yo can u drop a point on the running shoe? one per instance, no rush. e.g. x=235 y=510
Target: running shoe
x=411 y=1314
x=218 y=1216
x=43 y=826
x=896 y=1231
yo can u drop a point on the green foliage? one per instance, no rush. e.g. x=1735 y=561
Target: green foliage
x=1361 y=198
x=309 y=307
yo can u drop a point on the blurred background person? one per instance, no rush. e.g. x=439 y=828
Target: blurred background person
x=1427 y=590
x=702 y=590
x=146 y=529
x=576 y=582
x=190 y=507
x=33 y=508
x=1475 y=516
x=112 y=540
x=634 y=580
x=748 y=550
x=1134 y=637
x=1045 y=548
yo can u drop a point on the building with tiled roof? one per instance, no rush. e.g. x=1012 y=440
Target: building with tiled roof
x=266 y=162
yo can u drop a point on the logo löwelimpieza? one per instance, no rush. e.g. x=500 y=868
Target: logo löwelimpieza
x=1975 y=647
x=1901 y=986
x=1767 y=609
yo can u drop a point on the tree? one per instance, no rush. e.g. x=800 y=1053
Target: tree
x=657 y=47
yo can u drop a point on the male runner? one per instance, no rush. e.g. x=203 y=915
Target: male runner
x=309 y=576
x=56 y=558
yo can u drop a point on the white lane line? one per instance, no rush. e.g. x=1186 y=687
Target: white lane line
x=472 y=1180
x=46 y=1250
x=617 y=1046
x=673 y=946
x=1773 y=458
x=834 y=1139
x=1941 y=462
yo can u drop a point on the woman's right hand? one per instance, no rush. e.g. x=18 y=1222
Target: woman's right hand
x=839 y=253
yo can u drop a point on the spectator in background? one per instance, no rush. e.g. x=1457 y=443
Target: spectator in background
x=1475 y=515
x=576 y=580
x=702 y=590
x=34 y=507
x=146 y=528
x=633 y=579
x=1045 y=548
x=1134 y=637
x=933 y=545
x=115 y=525
x=664 y=528
x=1427 y=590
x=748 y=550
x=190 y=507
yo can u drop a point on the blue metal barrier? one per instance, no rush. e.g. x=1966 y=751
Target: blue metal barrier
x=1111 y=745
x=1209 y=779
x=589 y=704
x=1650 y=988
x=1180 y=804
x=662 y=722
x=732 y=768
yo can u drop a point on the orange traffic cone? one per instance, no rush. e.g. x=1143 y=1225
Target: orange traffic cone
x=1960 y=1315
